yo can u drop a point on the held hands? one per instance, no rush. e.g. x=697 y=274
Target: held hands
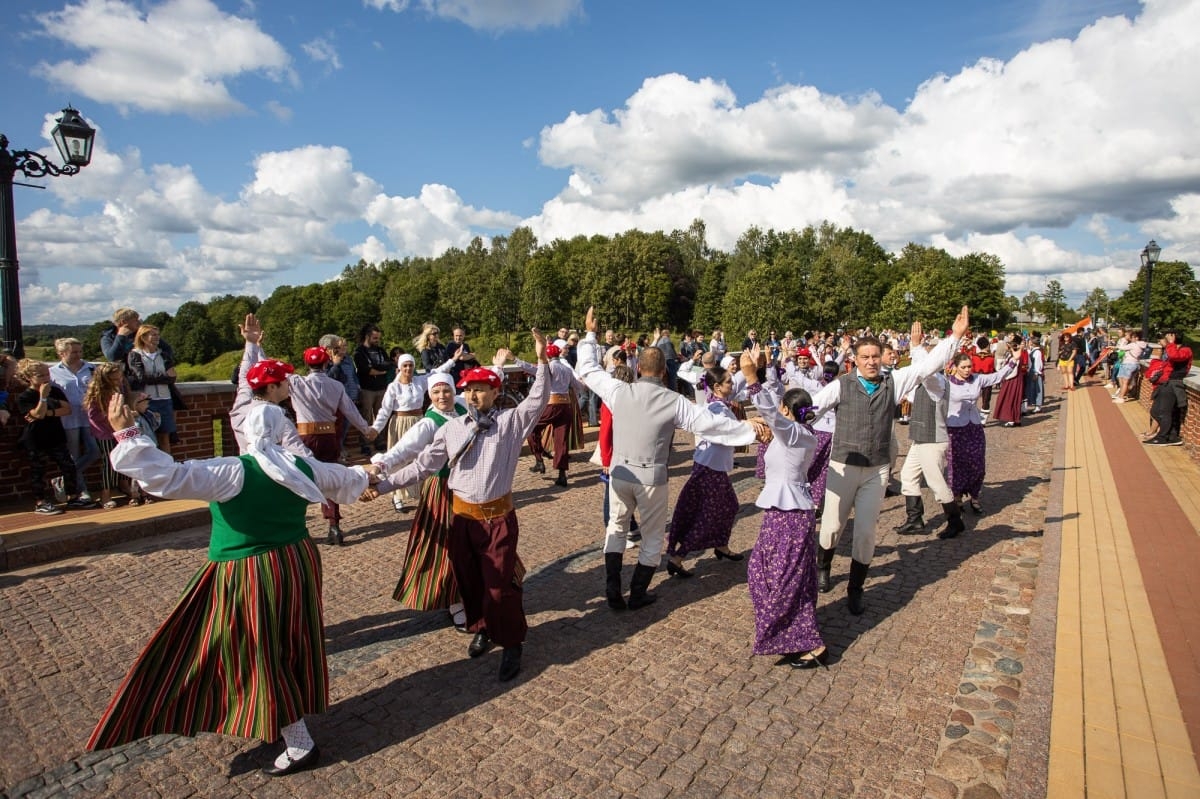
x=120 y=415
x=368 y=494
x=371 y=434
x=762 y=433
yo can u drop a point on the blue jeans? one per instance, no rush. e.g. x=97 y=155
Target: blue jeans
x=1033 y=389
x=84 y=451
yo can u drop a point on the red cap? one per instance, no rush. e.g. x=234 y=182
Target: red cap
x=803 y=352
x=479 y=374
x=552 y=351
x=316 y=356
x=269 y=371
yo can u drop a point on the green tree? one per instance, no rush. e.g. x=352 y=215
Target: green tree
x=1030 y=303
x=192 y=336
x=227 y=313
x=1174 y=298
x=409 y=300
x=1054 y=304
x=1095 y=304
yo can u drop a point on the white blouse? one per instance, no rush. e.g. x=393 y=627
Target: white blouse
x=405 y=396
x=963 y=407
x=718 y=457
x=788 y=456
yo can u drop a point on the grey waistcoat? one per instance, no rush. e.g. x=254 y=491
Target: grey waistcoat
x=927 y=421
x=643 y=427
x=863 y=433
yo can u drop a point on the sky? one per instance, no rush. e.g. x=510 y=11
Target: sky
x=245 y=145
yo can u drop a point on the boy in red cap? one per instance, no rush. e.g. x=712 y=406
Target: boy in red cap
x=482 y=450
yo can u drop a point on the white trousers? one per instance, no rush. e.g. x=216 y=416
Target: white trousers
x=650 y=502
x=928 y=461
x=860 y=488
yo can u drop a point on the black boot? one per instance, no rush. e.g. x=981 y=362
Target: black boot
x=638 y=598
x=954 y=522
x=915 y=521
x=612 y=580
x=854 y=589
x=824 y=567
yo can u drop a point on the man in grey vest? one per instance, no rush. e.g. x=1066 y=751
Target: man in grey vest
x=645 y=415
x=859 y=464
x=927 y=453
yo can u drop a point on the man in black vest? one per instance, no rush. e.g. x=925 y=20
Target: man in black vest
x=859 y=464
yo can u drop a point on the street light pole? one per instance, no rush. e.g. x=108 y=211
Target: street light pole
x=1149 y=258
x=74 y=138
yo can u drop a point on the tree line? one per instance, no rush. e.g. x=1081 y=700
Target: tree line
x=820 y=278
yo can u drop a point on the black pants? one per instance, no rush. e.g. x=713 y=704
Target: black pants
x=37 y=470
x=1168 y=407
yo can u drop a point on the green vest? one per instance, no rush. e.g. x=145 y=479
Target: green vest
x=262 y=517
x=438 y=421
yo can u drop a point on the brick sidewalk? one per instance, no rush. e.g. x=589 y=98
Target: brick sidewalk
x=922 y=697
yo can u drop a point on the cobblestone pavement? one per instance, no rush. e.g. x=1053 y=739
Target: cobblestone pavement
x=921 y=698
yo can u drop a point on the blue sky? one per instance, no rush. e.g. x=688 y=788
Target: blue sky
x=247 y=145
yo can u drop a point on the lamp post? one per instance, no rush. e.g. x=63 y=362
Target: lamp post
x=1149 y=259
x=74 y=138
x=908 y=301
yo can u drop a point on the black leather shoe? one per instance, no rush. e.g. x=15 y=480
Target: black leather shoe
x=510 y=663
x=561 y=480
x=734 y=556
x=677 y=571
x=538 y=467
x=854 y=599
x=335 y=535
x=479 y=645
x=303 y=764
x=810 y=661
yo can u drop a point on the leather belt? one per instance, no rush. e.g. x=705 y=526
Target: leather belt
x=417 y=412
x=316 y=428
x=559 y=399
x=483 y=511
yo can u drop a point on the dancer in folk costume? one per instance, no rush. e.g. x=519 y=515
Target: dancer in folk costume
x=481 y=450
x=426 y=577
x=403 y=405
x=707 y=504
x=560 y=414
x=964 y=424
x=243 y=652
x=781 y=576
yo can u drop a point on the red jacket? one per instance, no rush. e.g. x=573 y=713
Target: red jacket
x=1180 y=359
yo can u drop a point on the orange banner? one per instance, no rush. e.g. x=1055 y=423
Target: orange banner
x=1080 y=325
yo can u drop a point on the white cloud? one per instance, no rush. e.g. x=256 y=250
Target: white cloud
x=434 y=220
x=280 y=111
x=175 y=57
x=1099 y=128
x=490 y=15
x=322 y=51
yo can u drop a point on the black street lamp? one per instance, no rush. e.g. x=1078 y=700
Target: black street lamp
x=1149 y=259
x=908 y=301
x=74 y=138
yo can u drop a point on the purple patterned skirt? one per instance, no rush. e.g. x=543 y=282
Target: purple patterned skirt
x=704 y=512
x=818 y=470
x=967 y=462
x=782 y=578
x=760 y=464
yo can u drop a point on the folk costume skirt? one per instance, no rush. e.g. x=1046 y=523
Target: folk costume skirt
x=397 y=426
x=818 y=470
x=704 y=512
x=427 y=578
x=968 y=460
x=1008 y=400
x=242 y=653
x=782 y=579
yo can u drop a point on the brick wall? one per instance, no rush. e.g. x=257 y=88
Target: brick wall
x=1191 y=423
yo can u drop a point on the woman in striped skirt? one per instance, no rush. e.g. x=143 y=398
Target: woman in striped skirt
x=243 y=652
x=402 y=407
x=707 y=504
x=426 y=580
